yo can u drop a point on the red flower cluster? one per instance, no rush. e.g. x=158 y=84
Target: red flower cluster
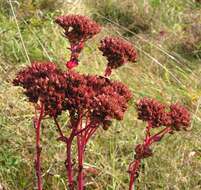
x=180 y=117
x=43 y=82
x=78 y=28
x=97 y=96
x=155 y=113
x=117 y=51
x=91 y=101
x=101 y=98
x=151 y=111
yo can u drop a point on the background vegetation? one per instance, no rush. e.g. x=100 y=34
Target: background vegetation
x=167 y=35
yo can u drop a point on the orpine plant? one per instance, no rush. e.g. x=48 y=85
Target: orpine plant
x=156 y=115
x=91 y=101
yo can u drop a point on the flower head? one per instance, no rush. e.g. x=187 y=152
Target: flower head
x=118 y=52
x=78 y=28
x=152 y=111
x=43 y=82
x=101 y=98
x=180 y=117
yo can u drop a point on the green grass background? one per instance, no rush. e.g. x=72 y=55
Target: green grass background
x=167 y=69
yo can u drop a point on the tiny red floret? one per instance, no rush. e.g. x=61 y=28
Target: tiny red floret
x=71 y=64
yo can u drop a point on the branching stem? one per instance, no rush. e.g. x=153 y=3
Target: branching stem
x=134 y=167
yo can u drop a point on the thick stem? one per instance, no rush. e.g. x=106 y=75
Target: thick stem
x=69 y=170
x=69 y=165
x=131 y=184
x=38 y=149
x=133 y=170
x=80 y=150
x=80 y=146
x=82 y=140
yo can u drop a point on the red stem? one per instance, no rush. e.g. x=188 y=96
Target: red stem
x=148 y=134
x=131 y=184
x=80 y=146
x=160 y=134
x=82 y=130
x=58 y=128
x=135 y=166
x=83 y=135
x=89 y=133
x=68 y=163
x=38 y=149
x=133 y=173
x=76 y=49
x=82 y=139
x=80 y=149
